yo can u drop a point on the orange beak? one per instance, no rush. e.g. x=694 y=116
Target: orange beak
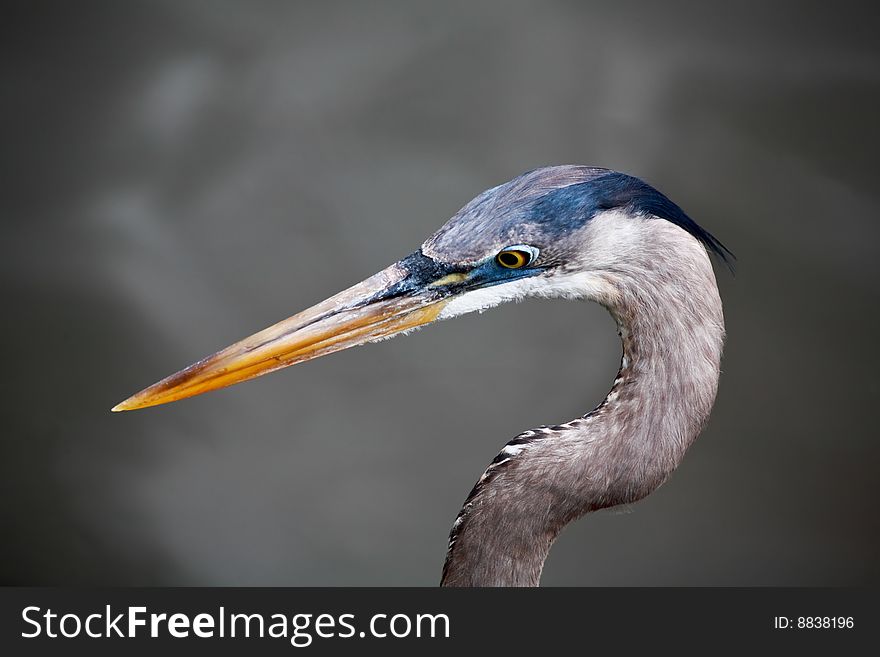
x=394 y=300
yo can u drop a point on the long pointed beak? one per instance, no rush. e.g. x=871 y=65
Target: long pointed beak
x=397 y=299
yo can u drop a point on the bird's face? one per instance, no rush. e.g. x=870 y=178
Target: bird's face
x=531 y=236
x=414 y=291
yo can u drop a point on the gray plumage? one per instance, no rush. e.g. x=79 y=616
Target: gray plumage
x=572 y=232
x=657 y=281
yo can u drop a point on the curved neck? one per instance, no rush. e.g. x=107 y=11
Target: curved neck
x=672 y=334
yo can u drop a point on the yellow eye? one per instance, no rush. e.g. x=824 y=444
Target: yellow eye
x=513 y=259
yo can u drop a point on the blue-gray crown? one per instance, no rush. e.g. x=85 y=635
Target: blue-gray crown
x=543 y=204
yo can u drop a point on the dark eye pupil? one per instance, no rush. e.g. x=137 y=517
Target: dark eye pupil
x=510 y=259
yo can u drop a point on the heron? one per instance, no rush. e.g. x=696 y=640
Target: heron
x=571 y=232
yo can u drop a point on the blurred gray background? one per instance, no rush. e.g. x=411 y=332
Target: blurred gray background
x=177 y=175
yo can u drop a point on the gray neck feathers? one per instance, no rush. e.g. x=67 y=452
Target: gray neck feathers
x=666 y=303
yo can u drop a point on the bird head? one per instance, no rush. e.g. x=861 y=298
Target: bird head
x=533 y=236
